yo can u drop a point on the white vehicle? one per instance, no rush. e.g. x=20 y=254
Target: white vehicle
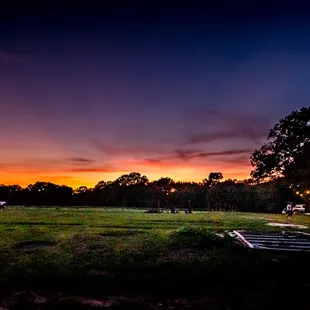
x=2 y=205
x=299 y=208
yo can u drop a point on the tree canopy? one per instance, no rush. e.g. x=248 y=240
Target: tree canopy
x=286 y=154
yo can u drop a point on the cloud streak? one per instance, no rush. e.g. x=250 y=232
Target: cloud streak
x=216 y=125
x=80 y=160
x=234 y=160
x=92 y=170
x=123 y=149
x=243 y=132
x=188 y=154
x=71 y=164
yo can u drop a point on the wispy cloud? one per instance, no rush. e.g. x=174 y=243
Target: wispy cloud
x=218 y=125
x=92 y=170
x=59 y=179
x=31 y=166
x=156 y=164
x=211 y=125
x=237 y=133
x=125 y=149
x=188 y=154
x=59 y=168
x=234 y=160
x=221 y=153
x=80 y=160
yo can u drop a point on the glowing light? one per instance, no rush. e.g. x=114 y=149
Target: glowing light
x=297 y=193
x=308 y=192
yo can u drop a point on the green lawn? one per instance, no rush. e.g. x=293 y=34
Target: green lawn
x=154 y=258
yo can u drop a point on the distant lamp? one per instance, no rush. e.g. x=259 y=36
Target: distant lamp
x=297 y=193
x=307 y=192
x=301 y=195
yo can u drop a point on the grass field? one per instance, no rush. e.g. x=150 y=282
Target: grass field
x=133 y=260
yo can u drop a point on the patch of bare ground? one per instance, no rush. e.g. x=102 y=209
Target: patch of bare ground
x=185 y=255
x=34 y=245
x=97 y=272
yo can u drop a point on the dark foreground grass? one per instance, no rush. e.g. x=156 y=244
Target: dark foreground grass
x=80 y=259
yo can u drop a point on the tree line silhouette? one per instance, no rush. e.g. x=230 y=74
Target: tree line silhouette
x=136 y=191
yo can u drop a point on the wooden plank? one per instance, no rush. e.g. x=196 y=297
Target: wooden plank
x=276 y=236
x=284 y=249
x=259 y=244
x=250 y=245
x=303 y=233
x=278 y=240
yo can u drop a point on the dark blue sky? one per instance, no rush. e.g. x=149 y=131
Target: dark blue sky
x=90 y=92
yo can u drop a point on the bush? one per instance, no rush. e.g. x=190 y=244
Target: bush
x=197 y=237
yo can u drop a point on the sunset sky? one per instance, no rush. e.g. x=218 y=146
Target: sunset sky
x=179 y=91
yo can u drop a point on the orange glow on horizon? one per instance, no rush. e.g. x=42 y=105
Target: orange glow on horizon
x=90 y=177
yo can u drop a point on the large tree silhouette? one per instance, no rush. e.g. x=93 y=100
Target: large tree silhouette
x=287 y=151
